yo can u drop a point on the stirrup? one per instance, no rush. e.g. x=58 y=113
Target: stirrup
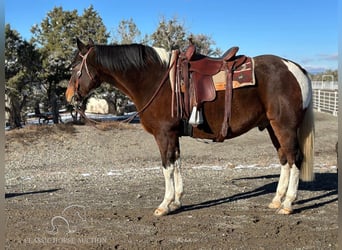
x=196 y=117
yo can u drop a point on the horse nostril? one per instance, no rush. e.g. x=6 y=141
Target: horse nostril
x=76 y=101
x=73 y=100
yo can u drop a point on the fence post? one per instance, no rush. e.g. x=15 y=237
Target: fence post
x=335 y=103
x=319 y=100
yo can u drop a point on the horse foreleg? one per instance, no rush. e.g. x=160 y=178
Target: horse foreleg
x=170 y=154
x=169 y=196
x=173 y=189
x=176 y=204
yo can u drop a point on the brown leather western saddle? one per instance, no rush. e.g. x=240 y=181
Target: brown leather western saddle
x=194 y=72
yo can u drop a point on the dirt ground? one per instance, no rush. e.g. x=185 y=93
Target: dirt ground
x=77 y=187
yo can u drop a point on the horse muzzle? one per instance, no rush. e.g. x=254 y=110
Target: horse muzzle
x=72 y=97
x=69 y=94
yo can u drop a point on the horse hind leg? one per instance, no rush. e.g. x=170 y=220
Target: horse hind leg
x=281 y=188
x=288 y=188
x=285 y=140
x=291 y=193
x=284 y=173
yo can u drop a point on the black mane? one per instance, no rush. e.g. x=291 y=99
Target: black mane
x=125 y=57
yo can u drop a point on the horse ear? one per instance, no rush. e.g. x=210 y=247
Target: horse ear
x=91 y=42
x=81 y=46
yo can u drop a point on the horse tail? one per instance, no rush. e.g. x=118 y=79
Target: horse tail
x=306 y=136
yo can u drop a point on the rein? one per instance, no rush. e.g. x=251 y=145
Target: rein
x=153 y=96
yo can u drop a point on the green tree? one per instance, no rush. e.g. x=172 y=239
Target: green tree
x=55 y=36
x=127 y=32
x=170 y=34
x=91 y=26
x=204 y=45
x=22 y=65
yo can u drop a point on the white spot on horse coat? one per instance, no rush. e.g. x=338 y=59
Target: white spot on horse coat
x=163 y=54
x=303 y=81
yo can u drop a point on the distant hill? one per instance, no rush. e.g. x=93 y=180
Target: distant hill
x=327 y=75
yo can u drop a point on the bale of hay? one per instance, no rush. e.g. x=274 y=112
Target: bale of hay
x=97 y=106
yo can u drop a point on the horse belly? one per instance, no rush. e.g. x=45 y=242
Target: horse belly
x=247 y=113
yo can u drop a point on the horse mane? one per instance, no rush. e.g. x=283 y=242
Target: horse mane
x=126 y=57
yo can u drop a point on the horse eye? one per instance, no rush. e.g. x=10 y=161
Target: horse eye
x=79 y=73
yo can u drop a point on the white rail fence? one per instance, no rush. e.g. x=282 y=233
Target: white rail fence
x=332 y=85
x=326 y=100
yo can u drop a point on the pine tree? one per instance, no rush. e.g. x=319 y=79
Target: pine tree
x=22 y=62
x=127 y=33
x=55 y=36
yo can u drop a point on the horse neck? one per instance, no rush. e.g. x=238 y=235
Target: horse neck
x=139 y=85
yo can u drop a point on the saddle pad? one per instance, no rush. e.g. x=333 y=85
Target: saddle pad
x=242 y=76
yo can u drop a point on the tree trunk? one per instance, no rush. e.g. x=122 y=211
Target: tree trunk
x=15 y=117
x=54 y=108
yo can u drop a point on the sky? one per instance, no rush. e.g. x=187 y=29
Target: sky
x=305 y=31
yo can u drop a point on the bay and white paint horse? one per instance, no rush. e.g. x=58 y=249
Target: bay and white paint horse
x=281 y=102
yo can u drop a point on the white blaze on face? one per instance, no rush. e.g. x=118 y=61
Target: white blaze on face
x=303 y=81
x=163 y=54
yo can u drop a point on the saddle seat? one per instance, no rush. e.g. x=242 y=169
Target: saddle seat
x=227 y=56
x=212 y=65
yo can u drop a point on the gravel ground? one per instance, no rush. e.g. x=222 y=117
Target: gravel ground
x=77 y=187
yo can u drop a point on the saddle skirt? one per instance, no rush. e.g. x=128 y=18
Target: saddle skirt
x=242 y=76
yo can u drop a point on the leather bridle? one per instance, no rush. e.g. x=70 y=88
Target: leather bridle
x=83 y=64
x=75 y=100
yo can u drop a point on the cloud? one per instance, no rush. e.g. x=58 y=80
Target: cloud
x=315 y=69
x=320 y=57
x=328 y=57
x=320 y=62
x=307 y=60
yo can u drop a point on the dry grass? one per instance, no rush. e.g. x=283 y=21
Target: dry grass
x=30 y=133
x=113 y=125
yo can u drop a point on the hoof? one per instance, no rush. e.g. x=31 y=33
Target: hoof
x=285 y=211
x=175 y=206
x=160 y=212
x=274 y=205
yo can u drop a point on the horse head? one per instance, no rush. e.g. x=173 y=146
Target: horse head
x=84 y=76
